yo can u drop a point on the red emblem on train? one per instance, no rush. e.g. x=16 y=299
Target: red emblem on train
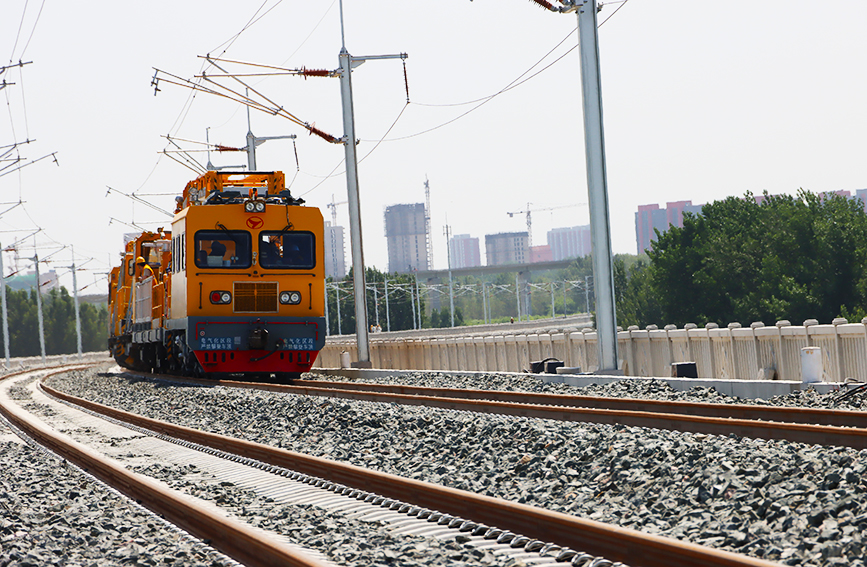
x=255 y=222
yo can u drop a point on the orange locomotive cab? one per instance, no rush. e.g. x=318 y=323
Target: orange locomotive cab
x=237 y=287
x=253 y=281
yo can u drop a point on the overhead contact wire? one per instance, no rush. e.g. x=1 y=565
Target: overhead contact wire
x=516 y=83
x=32 y=31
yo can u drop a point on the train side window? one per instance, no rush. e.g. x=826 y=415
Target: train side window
x=177 y=261
x=287 y=250
x=223 y=249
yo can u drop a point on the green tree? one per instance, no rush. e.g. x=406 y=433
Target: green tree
x=741 y=260
x=58 y=313
x=636 y=304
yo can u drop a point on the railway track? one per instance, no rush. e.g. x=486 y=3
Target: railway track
x=474 y=519
x=811 y=426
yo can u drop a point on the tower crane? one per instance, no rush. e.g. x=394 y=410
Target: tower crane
x=528 y=211
x=333 y=206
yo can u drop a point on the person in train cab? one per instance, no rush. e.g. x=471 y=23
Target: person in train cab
x=144 y=269
x=218 y=249
x=271 y=250
x=294 y=257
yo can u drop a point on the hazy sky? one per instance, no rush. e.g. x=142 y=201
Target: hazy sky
x=701 y=101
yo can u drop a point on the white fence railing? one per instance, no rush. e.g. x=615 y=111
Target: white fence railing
x=735 y=353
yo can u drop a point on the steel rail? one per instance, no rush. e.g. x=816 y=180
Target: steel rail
x=688 y=421
x=814 y=416
x=612 y=542
x=234 y=538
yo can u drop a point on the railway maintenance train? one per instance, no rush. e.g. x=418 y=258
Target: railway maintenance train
x=236 y=287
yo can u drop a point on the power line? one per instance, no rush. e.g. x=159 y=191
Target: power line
x=32 y=31
x=18 y=35
x=511 y=85
x=514 y=84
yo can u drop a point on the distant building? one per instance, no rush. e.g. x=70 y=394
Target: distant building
x=464 y=251
x=406 y=236
x=48 y=281
x=569 y=242
x=335 y=252
x=507 y=248
x=840 y=193
x=651 y=218
x=540 y=254
x=862 y=195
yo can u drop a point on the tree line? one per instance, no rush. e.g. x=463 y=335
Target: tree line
x=58 y=314
x=778 y=257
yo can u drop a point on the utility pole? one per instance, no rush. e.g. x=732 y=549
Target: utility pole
x=347 y=62
x=5 y=312
x=412 y=305
x=75 y=299
x=376 y=303
x=39 y=307
x=518 y=294
x=3 y=295
x=254 y=141
x=553 y=313
x=485 y=301
x=387 y=315
x=327 y=321
x=597 y=187
x=337 y=294
x=451 y=286
x=427 y=231
x=418 y=297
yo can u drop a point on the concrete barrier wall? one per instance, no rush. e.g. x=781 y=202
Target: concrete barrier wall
x=734 y=353
x=30 y=362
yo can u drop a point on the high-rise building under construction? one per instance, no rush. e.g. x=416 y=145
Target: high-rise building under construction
x=407 y=238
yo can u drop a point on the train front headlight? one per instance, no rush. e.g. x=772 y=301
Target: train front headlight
x=260 y=207
x=249 y=207
x=220 y=297
x=290 y=297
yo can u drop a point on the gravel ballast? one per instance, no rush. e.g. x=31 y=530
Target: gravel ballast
x=787 y=502
x=52 y=514
x=342 y=540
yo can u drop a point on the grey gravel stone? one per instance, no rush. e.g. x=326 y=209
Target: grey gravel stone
x=768 y=499
x=51 y=514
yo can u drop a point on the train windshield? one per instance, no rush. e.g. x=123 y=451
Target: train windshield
x=287 y=250
x=223 y=249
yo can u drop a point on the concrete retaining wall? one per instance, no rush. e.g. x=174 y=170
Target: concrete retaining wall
x=735 y=353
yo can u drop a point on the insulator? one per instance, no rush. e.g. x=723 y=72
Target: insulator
x=323 y=135
x=315 y=72
x=546 y=5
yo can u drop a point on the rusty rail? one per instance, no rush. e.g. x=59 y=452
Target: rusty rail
x=790 y=424
x=232 y=537
x=814 y=416
x=615 y=543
